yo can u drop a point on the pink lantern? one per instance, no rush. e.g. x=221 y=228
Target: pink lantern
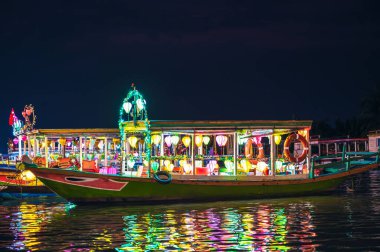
x=168 y=141
x=24 y=138
x=15 y=140
x=221 y=140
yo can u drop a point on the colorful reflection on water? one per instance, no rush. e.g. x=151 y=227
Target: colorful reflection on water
x=307 y=224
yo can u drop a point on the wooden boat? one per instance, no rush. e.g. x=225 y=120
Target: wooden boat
x=215 y=160
x=16 y=184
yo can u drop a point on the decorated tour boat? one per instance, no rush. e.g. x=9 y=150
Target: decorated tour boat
x=152 y=161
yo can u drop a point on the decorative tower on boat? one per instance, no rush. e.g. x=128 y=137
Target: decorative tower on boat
x=135 y=134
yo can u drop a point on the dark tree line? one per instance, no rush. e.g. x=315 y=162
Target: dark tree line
x=357 y=126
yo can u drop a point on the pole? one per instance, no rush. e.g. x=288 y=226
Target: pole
x=236 y=147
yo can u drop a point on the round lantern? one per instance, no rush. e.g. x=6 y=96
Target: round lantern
x=23 y=138
x=188 y=168
x=101 y=144
x=221 y=140
x=155 y=166
x=175 y=140
x=62 y=141
x=277 y=139
x=132 y=141
x=15 y=140
x=130 y=163
x=261 y=166
x=127 y=107
x=229 y=165
x=28 y=111
x=156 y=139
x=206 y=140
x=198 y=141
x=186 y=141
x=168 y=141
x=140 y=104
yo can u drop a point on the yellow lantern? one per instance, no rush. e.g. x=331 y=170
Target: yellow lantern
x=302 y=132
x=206 y=140
x=198 y=141
x=132 y=141
x=115 y=140
x=32 y=141
x=62 y=141
x=167 y=163
x=156 y=139
x=182 y=163
x=186 y=141
x=277 y=139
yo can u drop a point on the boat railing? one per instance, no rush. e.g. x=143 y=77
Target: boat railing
x=348 y=160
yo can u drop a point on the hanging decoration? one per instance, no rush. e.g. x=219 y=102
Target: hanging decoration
x=198 y=141
x=15 y=140
x=188 y=168
x=132 y=141
x=101 y=144
x=24 y=138
x=277 y=139
x=206 y=140
x=186 y=141
x=155 y=166
x=130 y=163
x=221 y=140
x=229 y=165
x=156 y=139
x=62 y=141
x=174 y=140
x=29 y=117
x=31 y=141
x=168 y=141
x=12 y=118
x=127 y=107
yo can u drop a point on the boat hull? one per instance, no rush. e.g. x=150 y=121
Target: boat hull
x=80 y=187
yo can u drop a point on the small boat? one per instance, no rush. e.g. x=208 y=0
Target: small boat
x=204 y=161
x=18 y=184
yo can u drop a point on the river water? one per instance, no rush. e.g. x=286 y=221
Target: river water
x=346 y=220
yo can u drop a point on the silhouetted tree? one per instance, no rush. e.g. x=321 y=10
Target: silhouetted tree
x=370 y=109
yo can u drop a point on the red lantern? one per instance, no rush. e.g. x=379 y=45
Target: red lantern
x=23 y=138
x=23 y=113
x=28 y=111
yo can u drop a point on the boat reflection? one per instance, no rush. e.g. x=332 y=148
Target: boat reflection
x=243 y=225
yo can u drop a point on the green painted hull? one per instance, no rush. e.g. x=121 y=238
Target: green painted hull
x=149 y=190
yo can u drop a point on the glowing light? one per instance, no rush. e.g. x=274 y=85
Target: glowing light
x=167 y=163
x=15 y=140
x=62 y=141
x=221 y=140
x=127 y=107
x=182 y=163
x=27 y=175
x=101 y=144
x=229 y=165
x=175 y=140
x=146 y=163
x=302 y=132
x=206 y=140
x=198 y=141
x=23 y=138
x=246 y=165
x=130 y=163
x=242 y=141
x=156 y=139
x=155 y=166
x=186 y=141
x=132 y=141
x=261 y=166
x=140 y=104
x=168 y=141
x=277 y=139
x=212 y=165
x=188 y=168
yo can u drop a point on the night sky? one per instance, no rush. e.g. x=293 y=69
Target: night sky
x=75 y=60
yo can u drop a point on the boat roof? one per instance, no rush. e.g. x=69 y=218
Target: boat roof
x=185 y=125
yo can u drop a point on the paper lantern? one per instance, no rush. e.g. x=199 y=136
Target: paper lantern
x=62 y=141
x=140 y=104
x=170 y=168
x=242 y=141
x=182 y=163
x=229 y=165
x=246 y=165
x=221 y=140
x=146 y=163
x=198 y=141
x=188 y=168
x=156 y=139
x=15 y=140
x=115 y=140
x=132 y=141
x=131 y=163
x=302 y=132
x=206 y=140
x=261 y=166
x=23 y=138
x=212 y=165
x=277 y=139
x=168 y=141
x=101 y=144
x=155 y=166
x=127 y=107
x=167 y=163
x=186 y=141
x=175 y=140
